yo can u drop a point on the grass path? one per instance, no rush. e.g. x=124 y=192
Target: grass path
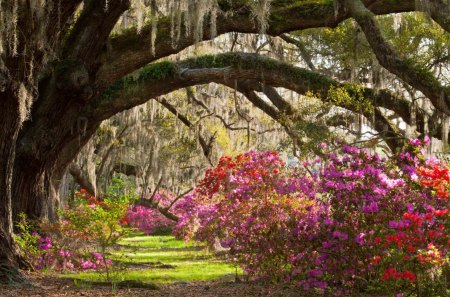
x=163 y=259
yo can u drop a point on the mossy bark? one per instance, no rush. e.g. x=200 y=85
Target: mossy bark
x=9 y=253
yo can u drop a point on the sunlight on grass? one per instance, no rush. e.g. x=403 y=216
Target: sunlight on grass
x=156 y=242
x=164 y=259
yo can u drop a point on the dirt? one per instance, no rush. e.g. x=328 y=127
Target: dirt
x=53 y=286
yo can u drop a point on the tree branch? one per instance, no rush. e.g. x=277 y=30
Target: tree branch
x=302 y=49
x=440 y=13
x=80 y=178
x=154 y=205
x=92 y=29
x=161 y=78
x=130 y=50
x=417 y=76
x=206 y=145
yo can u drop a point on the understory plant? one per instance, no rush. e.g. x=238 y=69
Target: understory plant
x=351 y=221
x=81 y=238
x=151 y=220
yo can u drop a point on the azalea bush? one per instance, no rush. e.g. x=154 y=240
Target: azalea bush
x=415 y=250
x=150 y=220
x=83 y=235
x=55 y=251
x=257 y=208
x=350 y=220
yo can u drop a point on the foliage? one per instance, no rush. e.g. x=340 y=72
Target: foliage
x=150 y=220
x=28 y=240
x=251 y=206
x=357 y=221
x=67 y=245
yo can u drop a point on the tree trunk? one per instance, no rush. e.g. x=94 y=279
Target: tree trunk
x=37 y=176
x=9 y=252
x=35 y=193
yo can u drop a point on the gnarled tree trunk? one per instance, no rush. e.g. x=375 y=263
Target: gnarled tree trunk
x=10 y=260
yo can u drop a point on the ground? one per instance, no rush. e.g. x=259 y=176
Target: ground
x=52 y=286
x=175 y=267
x=163 y=260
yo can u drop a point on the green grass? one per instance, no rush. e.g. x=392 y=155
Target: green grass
x=144 y=256
x=156 y=242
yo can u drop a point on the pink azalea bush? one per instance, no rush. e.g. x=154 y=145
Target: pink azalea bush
x=359 y=220
x=150 y=220
x=44 y=253
x=89 y=224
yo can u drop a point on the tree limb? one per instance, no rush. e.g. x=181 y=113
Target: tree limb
x=302 y=49
x=154 y=205
x=92 y=29
x=161 y=78
x=130 y=50
x=81 y=179
x=418 y=77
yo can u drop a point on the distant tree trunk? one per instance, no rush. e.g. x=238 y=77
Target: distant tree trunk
x=11 y=121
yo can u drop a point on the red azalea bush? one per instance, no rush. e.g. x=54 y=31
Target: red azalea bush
x=359 y=220
x=252 y=205
x=415 y=248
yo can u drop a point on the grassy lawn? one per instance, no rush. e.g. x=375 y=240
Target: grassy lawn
x=163 y=259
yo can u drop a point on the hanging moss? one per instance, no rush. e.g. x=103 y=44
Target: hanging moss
x=350 y=96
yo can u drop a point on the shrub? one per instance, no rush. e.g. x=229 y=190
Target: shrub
x=360 y=221
x=150 y=220
x=89 y=223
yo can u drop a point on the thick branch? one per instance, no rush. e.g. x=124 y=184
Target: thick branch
x=92 y=29
x=152 y=204
x=161 y=78
x=418 y=77
x=80 y=178
x=130 y=50
x=440 y=12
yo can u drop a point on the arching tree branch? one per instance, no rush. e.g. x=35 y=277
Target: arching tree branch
x=161 y=78
x=130 y=50
x=418 y=77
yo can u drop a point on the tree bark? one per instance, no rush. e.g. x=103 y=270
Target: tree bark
x=42 y=150
x=10 y=259
x=407 y=70
x=36 y=181
x=35 y=193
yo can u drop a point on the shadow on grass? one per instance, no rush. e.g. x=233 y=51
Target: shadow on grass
x=162 y=259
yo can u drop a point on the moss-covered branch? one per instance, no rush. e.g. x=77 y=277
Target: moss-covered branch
x=164 y=77
x=131 y=50
x=421 y=78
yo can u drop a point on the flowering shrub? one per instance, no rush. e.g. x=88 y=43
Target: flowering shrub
x=359 y=220
x=417 y=242
x=43 y=253
x=150 y=220
x=253 y=206
x=66 y=244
